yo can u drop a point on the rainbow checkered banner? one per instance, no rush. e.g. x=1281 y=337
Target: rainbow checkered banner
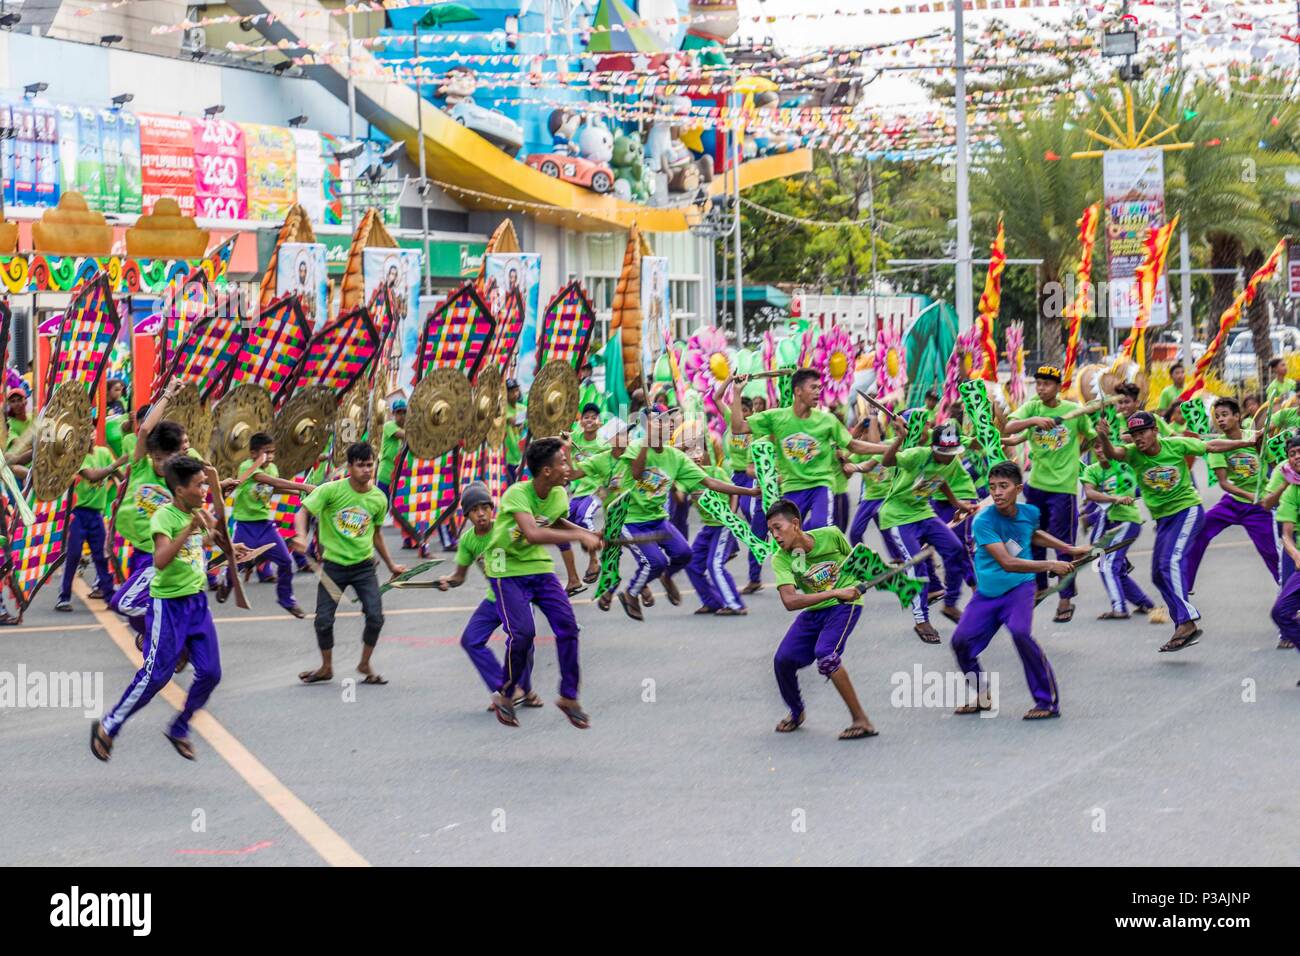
x=337 y=355
x=208 y=353
x=424 y=492
x=456 y=334
x=510 y=326
x=567 y=324
x=284 y=506
x=274 y=346
x=35 y=551
x=85 y=337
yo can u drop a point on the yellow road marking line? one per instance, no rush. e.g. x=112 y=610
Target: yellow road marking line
x=333 y=849
x=57 y=627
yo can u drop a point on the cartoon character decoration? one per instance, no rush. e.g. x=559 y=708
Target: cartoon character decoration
x=707 y=367
x=630 y=173
x=459 y=86
x=457 y=90
x=589 y=167
x=669 y=156
x=891 y=360
x=563 y=126
x=834 y=360
x=596 y=144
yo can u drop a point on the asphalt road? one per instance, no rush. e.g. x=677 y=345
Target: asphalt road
x=1187 y=758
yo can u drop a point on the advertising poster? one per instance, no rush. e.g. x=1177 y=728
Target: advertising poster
x=7 y=154
x=24 y=127
x=520 y=272
x=656 y=313
x=300 y=269
x=219 y=171
x=332 y=182
x=69 y=144
x=399 y=269
x=166 y=161
x=308 y=150
x=90 y=158
x=109 y=199
x=272 y=171
x=129 y=191
x=1133 y=183
x=47 y=157
x=1293 y=270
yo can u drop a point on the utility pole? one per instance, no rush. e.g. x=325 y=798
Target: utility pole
x=965 y=303
x=740 y=282
x=426 y=279
x=352 y=123
x=1184 y=243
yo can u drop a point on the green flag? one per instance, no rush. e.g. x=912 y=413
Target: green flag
x=616 y=396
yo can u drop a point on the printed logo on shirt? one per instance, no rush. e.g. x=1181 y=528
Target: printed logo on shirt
x=739 y=442
x=192 y=553
x=800 y=448
x=1242 y=464
x=926 y=488
x=653 y=483
x=149 y=498
x=1013 y=548
x=352 y=522
x=263 y=493
x=1052 y=439
x=518 y=535
x=820 y=577
x=1161 y=478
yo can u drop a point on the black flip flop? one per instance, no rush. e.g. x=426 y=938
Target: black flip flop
x=180 y=745
x=576 y=716
x=1187 y=641
x=634 y=613
x=96 y=739
x=591 y=577
x=845 y=735
x=374 y=679
x=505 y=714
x=1050 y=715
x=575 y=589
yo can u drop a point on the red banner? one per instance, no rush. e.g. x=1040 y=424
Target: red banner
x=166 y=161
x=220 y=176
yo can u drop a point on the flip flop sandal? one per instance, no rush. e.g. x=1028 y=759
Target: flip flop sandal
x=672 y=592
x=1178 y=643
x=928 y=636
x=181 y=745
x=1039 y=713
x=971 y=709
x=788 y=725
x=573 y=589
x=101 y=747
x=647 y=597
x=575 y=715
x=752 y=587
x=374 y=679
x=604 y=601
x=1112 y=616
x=706 y=610
x=505 y=714
x=591 y=577
x=1064 y=615
x=1284 y=645
x=529 y=700
x=632 y=611
x=858 y=733
x=313 y=677
x=732 y=612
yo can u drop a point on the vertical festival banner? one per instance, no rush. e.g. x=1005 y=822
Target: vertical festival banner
x=219 y=170
x=300 y=270
x=399 y=269
x=166 y=161
x=1133 y=183
x=272 y=170
x=130 y=193
x=656 y=313
x=505 y=273
x=311 y=164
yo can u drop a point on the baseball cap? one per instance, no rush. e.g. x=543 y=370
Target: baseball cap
x=20 y=392
x=1140 y=420
x=398 y=404
x=945 y=439
x=475 y=494
x=1050 y=372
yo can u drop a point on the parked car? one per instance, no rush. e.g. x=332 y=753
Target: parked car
x=597 y=177
x=1239 y=361
x=497 y=128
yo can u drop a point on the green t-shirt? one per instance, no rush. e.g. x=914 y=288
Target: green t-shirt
x=510 y=555
x=805 y=446
x=875 y=483
x=819 y=569
x=602 y=470
x=252 y=498
x=581 y=449
x=959 y=479
x=514 y=454
x=1283 y=390
x=187 y=572
x=1283 y=419
x=113 y=433
x=470 y=548
x=146 y=492
x=1244 y=468
x=1168 y=396
x=93 y=496
x=16 y=428
x=1288 y=506
x=663 y=468
x=1166 y=483
x=347 y=519
x=736 y=446
x=720 y=473
x=1055 y=452
x=916 y=481
x=388 y=448
x=1114 y=478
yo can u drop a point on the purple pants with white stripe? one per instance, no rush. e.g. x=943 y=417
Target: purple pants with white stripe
x=868 y=510
x=1169 y=562
x=752 y=509
x=1259 y=526
x=708 y=569
x=1285 y=609
x=515 y=599
x=582 y=512
x=1058 y=515
x=906 y=540
x=980 y=622
x=85 y=527
x=174 y=624
x=655 y=558
x=131 y=600
x=475 y=639
x=1114 y=568
x=254 y=534
x=817 y=634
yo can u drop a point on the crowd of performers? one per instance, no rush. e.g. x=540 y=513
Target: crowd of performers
x=947 y=517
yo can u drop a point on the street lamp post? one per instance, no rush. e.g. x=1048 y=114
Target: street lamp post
x=965 y=298
x=423 y=191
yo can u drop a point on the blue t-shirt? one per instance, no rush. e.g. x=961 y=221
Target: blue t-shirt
x=991 y=527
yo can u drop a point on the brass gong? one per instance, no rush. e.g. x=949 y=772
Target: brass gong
x=350 y=421
x=486 y=399
x=242 y=412
x=187 y=409
x=553 y=400
x=63 y=435
x=302 y=428
x=438 y=414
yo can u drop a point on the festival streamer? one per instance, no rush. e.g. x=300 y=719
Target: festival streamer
x=1148 y=276
x=990 y=303
x=1077 y=310
x=1016 y=362
x=1230 y=317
